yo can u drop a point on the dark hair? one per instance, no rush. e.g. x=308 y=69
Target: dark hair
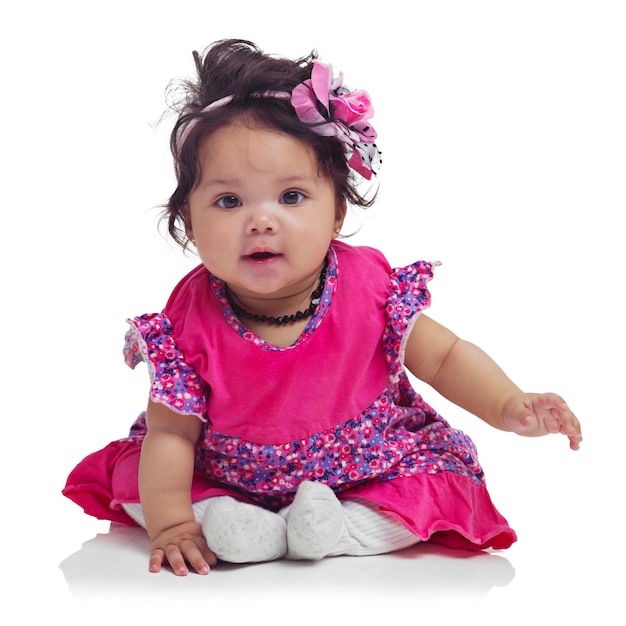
x=239 y=69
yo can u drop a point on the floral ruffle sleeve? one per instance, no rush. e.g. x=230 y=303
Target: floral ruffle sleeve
x=409 y=295
x=174 y=383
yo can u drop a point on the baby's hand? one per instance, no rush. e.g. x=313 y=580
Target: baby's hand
x=537 y=414
x=179 y=546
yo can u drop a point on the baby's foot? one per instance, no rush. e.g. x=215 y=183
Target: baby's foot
x=314 y=522
x=243 y=533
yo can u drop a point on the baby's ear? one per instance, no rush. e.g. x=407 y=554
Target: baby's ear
x=342 y=210
x=186 y=216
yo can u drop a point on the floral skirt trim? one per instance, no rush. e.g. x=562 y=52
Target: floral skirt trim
x=446 y=508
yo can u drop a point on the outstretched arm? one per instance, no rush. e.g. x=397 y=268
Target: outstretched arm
x=165 y=475
x=465 y=375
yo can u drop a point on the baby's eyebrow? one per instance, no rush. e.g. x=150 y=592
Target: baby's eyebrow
x=305 y=178
x=290 y=179
x=209 y=182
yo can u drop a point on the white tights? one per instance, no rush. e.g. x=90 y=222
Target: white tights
x=314 y=526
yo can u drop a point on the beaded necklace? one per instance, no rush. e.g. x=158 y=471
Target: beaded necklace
x=284 y=319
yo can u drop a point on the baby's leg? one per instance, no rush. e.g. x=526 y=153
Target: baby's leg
x=243 y=533
x=135 y=512
x=319 y=525
x=235 y=531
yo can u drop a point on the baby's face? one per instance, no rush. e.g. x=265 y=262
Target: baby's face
x=262 y=217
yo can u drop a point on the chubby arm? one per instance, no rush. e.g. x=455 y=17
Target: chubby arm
x=465 y=375
x=165 y=475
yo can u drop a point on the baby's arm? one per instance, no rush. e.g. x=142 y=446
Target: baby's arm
x=465 y=375
x=165 y=475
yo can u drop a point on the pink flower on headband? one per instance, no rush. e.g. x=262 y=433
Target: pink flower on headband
x=348 y=110
x=352 y=107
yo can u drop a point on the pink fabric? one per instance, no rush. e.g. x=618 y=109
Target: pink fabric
x=106 y=479
x=295 y=382
x=90 y=484
x=442 y=508
x=336 y=407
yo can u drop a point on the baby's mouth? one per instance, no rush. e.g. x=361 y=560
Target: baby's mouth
x=262 y=255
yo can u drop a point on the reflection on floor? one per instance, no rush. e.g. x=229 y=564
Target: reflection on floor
x=117 y=562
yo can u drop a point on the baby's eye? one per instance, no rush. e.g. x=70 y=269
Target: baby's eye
x=229 y=202
x=292 y=197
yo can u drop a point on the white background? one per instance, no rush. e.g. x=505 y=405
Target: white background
x=503 y=136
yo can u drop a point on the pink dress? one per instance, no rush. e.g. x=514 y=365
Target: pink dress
x=336 y=407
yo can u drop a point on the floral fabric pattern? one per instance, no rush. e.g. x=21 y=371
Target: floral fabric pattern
x=174 y=383
x=380 y=444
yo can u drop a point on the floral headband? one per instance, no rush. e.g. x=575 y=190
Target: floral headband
x=348 y=110
x=346 y=115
